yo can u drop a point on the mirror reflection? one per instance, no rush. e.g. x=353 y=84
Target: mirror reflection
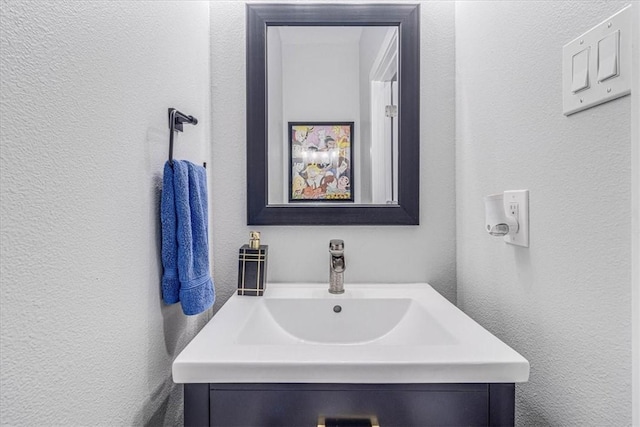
x=332 y=119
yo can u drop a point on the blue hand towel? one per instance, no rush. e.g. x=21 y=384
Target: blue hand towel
x=170 y=282
x=186 y=276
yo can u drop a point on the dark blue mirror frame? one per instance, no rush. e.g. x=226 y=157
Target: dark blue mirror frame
x=407 y=18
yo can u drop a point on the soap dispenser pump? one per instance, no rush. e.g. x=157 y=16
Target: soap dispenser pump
x=252 y=267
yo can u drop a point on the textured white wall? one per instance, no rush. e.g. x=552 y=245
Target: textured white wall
x=635 y=209
x=564 y=303
x=375 y=254
x=85 y=91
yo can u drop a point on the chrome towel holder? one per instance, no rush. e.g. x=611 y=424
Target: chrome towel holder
x=176 y=122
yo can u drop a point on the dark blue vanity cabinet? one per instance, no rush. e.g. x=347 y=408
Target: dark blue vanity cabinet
x=298 y=405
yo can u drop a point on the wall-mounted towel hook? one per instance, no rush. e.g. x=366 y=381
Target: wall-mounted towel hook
x=176 y=121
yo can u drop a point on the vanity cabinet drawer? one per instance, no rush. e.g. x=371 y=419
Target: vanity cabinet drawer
x=298 y=405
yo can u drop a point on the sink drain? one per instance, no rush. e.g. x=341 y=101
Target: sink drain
x=337 y=308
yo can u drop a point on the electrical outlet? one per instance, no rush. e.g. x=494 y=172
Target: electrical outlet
x=516 y=204
x=514 y=212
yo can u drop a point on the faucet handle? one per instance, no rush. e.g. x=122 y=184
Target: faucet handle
x=336 y=245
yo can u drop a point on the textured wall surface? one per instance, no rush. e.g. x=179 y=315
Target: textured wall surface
x=85 y=91
x=373 y=254
x=635 y=206
x=564 y=303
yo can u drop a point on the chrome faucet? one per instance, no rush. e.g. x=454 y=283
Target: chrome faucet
x=336 y=266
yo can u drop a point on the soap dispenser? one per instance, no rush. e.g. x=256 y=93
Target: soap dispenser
x=252 y=267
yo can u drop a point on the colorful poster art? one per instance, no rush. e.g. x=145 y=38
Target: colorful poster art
x=321 y=168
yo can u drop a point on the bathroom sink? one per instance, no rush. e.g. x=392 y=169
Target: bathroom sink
x=379 y=321
x=373 y=333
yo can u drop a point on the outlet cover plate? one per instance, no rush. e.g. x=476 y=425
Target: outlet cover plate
x=521 y=197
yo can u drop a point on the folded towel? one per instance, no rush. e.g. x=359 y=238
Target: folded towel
x=170 y=282
x=188 y=253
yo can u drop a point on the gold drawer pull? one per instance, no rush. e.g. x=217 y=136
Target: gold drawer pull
x=348 y=421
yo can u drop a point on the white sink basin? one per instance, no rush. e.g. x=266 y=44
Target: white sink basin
x=379 y=321
x=299 y=333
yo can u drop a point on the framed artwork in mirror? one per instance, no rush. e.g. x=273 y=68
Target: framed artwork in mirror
x=320 y=161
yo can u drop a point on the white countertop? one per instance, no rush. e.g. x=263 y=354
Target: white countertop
x=440 y=344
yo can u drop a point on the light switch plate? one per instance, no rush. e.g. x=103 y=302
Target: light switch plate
x=599 y=91
x=517 y=202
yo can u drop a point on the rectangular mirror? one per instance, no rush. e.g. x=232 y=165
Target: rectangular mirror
x=332 y=114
